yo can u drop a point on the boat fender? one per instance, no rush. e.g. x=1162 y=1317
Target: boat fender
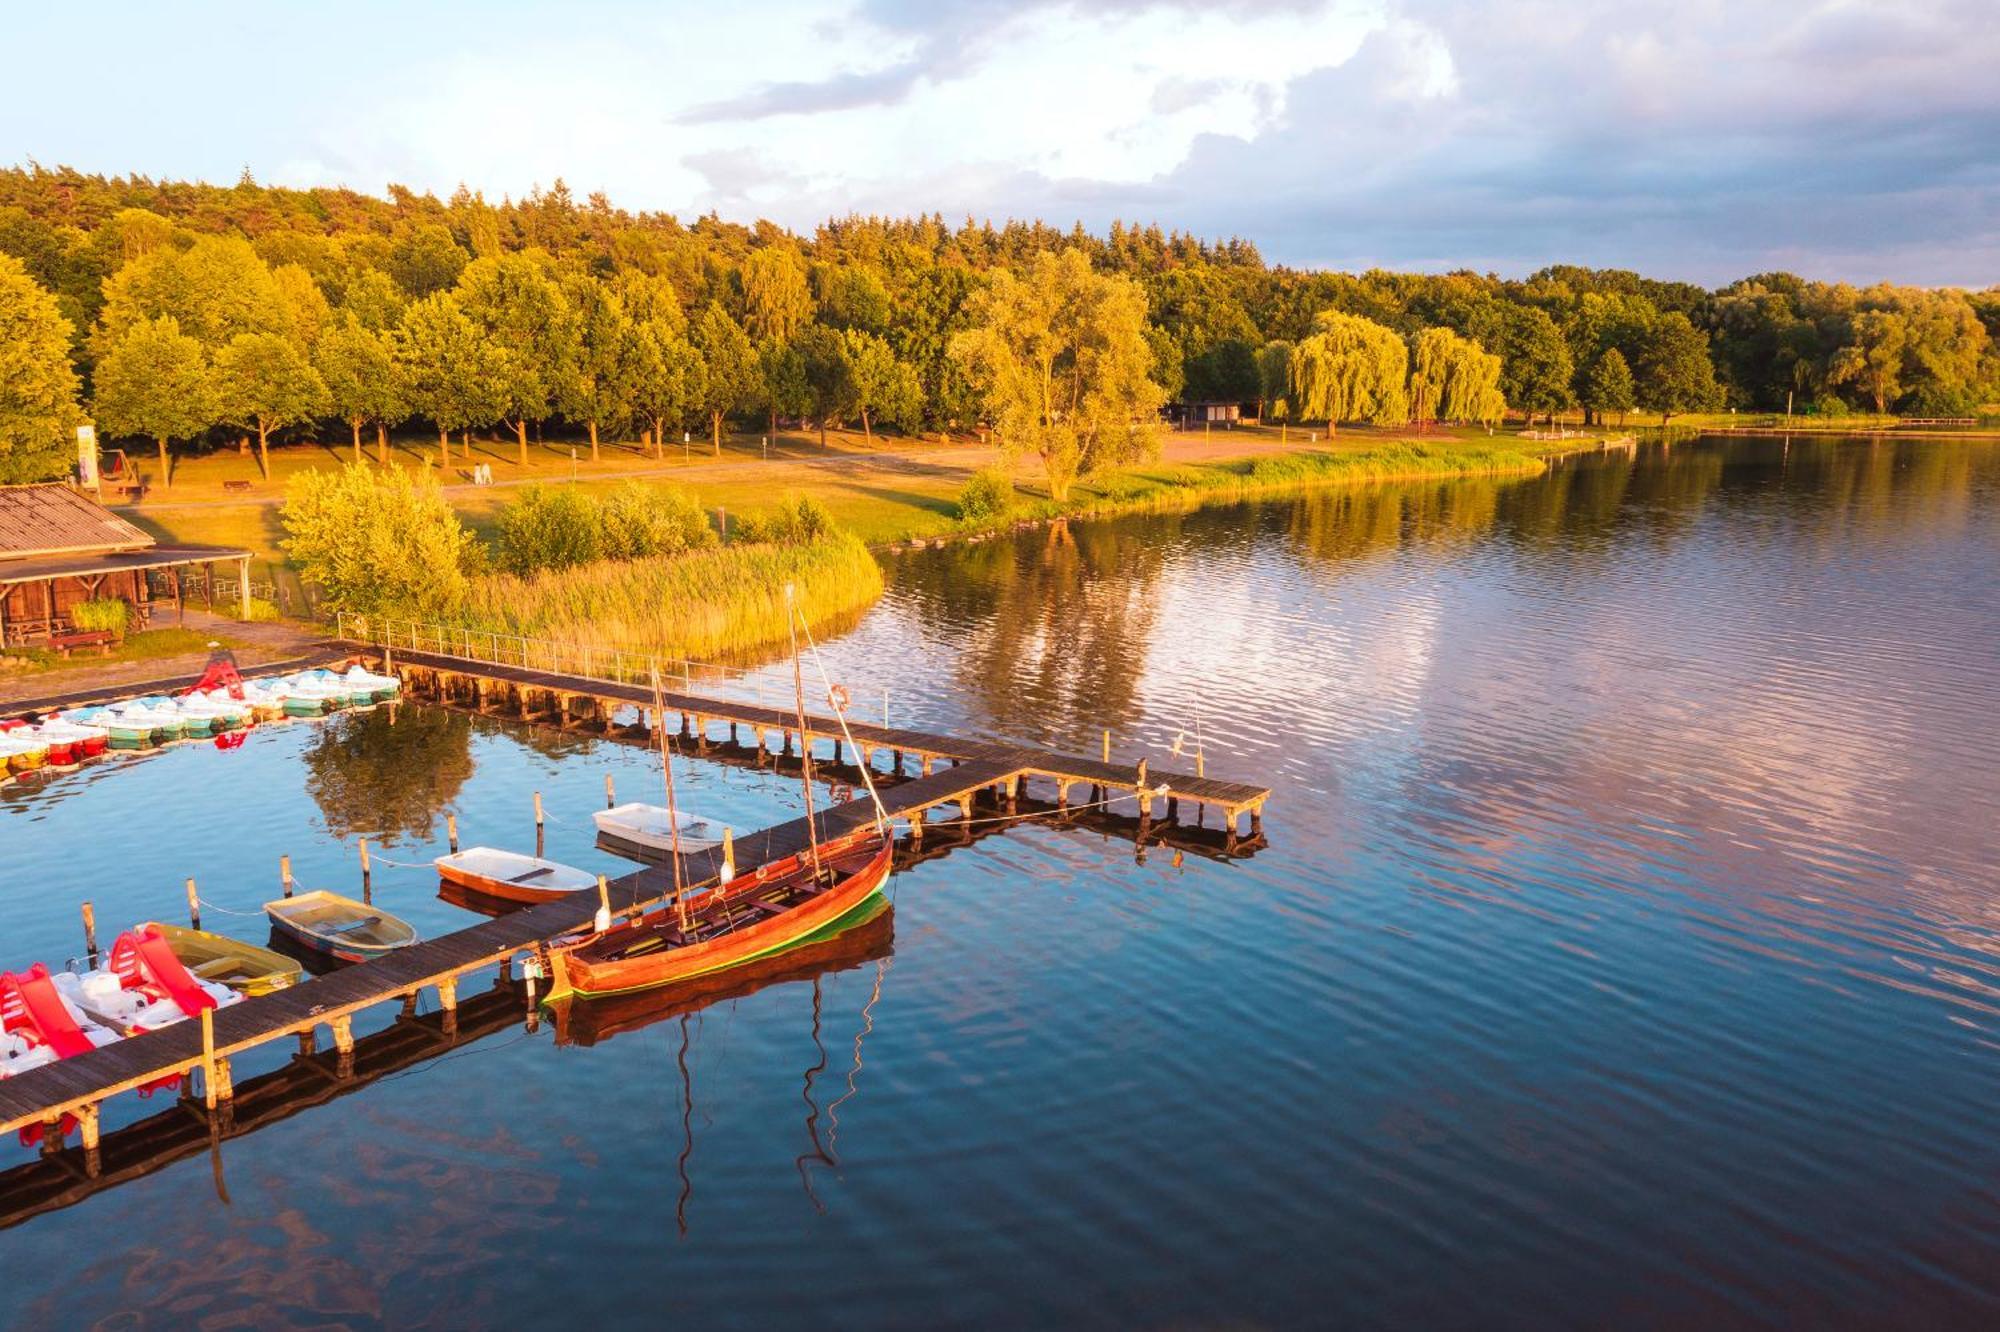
x=602 y=920
x=837 y=696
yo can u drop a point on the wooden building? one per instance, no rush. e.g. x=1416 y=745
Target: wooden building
x=59 y=547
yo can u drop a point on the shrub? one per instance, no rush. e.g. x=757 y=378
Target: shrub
x=93 y=617
x=549 y=527
x=1828 y=404
x=796 y=520
x=987 y=497
x=640 y=521
x=262 y=611
x=377 y=540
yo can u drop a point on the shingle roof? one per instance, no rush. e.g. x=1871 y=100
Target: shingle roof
x=55 y=520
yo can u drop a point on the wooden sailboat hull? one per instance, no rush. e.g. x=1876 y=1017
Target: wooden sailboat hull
x=639 y=956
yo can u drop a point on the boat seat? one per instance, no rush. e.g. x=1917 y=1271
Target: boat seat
x=533 y=874
x=348 y=928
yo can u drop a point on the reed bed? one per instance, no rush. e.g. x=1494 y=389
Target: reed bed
x=1192 y=485
x=721 y=603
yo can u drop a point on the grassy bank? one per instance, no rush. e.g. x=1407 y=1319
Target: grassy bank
x=1193 y=485
x=724 y=603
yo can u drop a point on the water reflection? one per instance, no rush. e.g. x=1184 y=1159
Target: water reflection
x=388 y=772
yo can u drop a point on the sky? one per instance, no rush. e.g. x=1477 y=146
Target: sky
x=1855 y=140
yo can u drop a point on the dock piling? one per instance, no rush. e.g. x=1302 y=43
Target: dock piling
x=285 y=874
x=194 y=905
x=610 y=792
x=207 y=1054
x=90 y=934
x=367 y=884
x=451 y=832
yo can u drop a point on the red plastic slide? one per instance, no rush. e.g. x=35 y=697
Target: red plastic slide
x=145 y=963
x=221 y=674
x=30 y=1005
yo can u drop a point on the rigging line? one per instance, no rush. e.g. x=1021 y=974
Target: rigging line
x=805 y=736
x=840 y=715
x=818 y=1151
x=687 y=1132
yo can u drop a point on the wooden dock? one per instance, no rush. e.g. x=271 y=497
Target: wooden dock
x=582 y=701
x=951 y=773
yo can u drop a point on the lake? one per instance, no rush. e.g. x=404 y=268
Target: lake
x=1626 y=950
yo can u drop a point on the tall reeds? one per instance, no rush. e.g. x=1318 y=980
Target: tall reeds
x=720 y=603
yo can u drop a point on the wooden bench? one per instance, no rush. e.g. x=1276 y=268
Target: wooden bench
x=235 y=486
x=101 y=639
x=133 y=491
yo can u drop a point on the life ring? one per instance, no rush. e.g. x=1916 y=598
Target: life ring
x=837 y=696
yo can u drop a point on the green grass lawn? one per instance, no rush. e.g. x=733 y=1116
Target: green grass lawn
x=147 y=645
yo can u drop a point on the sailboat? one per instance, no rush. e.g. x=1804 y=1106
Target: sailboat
x=782 y=904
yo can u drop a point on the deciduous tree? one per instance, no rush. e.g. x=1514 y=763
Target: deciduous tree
x=884 y=388
x=1455 y=379
x=729 y=367
x=363 y=379
x=264 y=382
x=1061 y=360
x=1608 y=385
x=38 y=407
x=154 y=381
x=1674 y=373
x=515 y=303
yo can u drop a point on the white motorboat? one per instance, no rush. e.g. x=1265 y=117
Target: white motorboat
x=650 y=828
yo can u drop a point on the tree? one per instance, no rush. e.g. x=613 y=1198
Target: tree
x=828 y=376
x=782 y=382
x=1274 y=371
x=451 y=371
x=1226 y=372
x=1061 y=360
x=154 y=381
x=216 y=288
x=776 y=300
x=729 y=367
x=265 y=383
x=1350 y=369
x=609 y=357
x=1873 y=358
x=37 y=383
x=377 y=540
x=1674 y=373
x=1454 y=379
x=518 y=306
x=667 y=378
x=1608 y=385
x=363 y=379
x=884 y=388
x=1536 y=369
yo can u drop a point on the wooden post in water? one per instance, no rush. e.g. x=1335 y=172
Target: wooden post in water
x=367 y=884
x=451 y=832
x=90 y=934
x=610 y=792
x=285 y=874
x=1107 y=745
x=207 y=1053
x=194 y=908
x=539 y=843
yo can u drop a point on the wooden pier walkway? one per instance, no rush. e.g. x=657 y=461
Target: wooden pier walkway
x=573 y=700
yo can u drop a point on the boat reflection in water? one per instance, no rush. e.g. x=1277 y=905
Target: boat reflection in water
x=867 y=938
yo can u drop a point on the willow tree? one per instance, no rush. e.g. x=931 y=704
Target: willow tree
x=1062 y=364
x=1350 y=369
x=1455 y=379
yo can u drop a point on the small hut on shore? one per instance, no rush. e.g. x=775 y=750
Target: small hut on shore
x=60 y=548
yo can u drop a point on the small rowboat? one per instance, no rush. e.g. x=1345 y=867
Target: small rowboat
x=244 y=968
x=338 y=927
x=510 y=875
x=755 y=915
x=646 y=832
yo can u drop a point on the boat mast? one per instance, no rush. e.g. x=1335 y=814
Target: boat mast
x=805 y=737
x=673 y=811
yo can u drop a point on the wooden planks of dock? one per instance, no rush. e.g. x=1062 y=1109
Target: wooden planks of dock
x=448 y=678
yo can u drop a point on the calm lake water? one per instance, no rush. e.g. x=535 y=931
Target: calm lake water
x=1626 y=951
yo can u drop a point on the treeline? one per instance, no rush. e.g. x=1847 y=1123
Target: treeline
x=183 y=312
